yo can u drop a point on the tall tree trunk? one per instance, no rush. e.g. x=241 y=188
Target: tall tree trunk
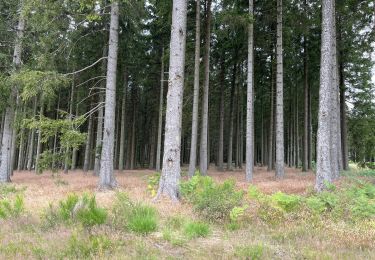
x=297 y=129
x=310 y=136
x=203 y=153
x=194 y=126
x=279 y=163
x=72 y=91
x=39 y=141
x=31 y=144
x=75 y=150
x=306 y=124
x=2 y=127
x=344 y=138
x=99 y=127
x=152 y=146
x=86 y=162
x=132 y=151
x=160 y=121
x=335 y=131
x=271 y=129
x=231 y=127
x=123 y=115
x=250 y=101
x=324 y=159
x=107 y=178
x=14 y=139
x=21 y=150
x=169 y=181
x=221 y=128
x=6 y=141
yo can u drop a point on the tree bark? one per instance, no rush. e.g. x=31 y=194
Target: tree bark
x=99 y=127
x=160 y=122
x=132 y=150
x=250 y=101
x=107 y=178
x=86 y=163
x=306 y=124
x=194 y=126
x=123 y=117
x=344 y=133
x=271 y=129
x=231 y=127
x=31 y=144
x=6 y=142
x=279 y=163
x=221 y=128
x=169 y=181
x=324 y=159
x=21 y=150
x=39 y=140
x=335 y=122
x=203 y=153
x=75 y=150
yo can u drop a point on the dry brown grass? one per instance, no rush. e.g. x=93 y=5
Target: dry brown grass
x=22 y=238
x=43 y=189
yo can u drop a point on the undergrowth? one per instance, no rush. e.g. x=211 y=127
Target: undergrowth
x=136 y=217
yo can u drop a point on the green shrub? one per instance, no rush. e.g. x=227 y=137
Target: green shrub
x=363 y=208
x=66 y=207
x=362 y=197
x=138 y=218
x=196 y=229
x=90 y=214
x=254 y=193
x=82 y=210
x=6 y=189
x=142 y=219
x=315 y=204
x=12 y=208
x=121 y=209
x=173 y=237
x=175 y=222
x=78 y=247
x=153 y=183
x=195 y=184
x=286 y=202
x=253 y=252
x=212 y=201
x=50 y=217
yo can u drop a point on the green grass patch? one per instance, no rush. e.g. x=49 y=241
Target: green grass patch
x=12 y=208
x=75 y=209
x=136 y=217
x=196 y=229
x=252 y=252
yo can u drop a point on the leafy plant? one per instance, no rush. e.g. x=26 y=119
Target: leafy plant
x=153 y=183
x=12 y=208
x=252 y=252
x=83 y=210
x=138 y=218
x=285 y=201
x=196 y=229
x=195 y=184
x=142 y=219
x=212 y=201
x=78 y=247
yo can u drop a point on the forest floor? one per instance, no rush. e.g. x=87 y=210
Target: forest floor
x=25 y=237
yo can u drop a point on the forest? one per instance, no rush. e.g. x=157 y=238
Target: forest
x=187 y=129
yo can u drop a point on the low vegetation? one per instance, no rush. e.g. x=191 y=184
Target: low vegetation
x=225 y=222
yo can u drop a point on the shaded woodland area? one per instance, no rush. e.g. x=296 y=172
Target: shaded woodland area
x=245 y=113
